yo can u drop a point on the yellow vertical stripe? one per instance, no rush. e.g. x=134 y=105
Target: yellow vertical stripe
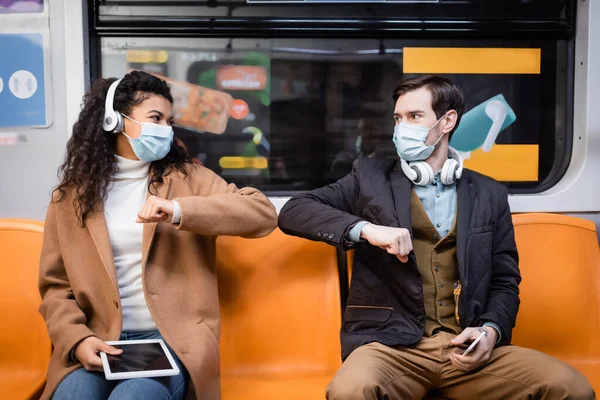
x=460 y=60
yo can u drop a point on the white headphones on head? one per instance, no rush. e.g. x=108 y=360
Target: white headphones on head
x=113 y=120
x=421 y=173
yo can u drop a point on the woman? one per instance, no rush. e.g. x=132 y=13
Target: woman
x=129 y=246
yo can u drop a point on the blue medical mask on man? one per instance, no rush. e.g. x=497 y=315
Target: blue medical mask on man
x=358 y=144
x=154 y=142
x=410 y=141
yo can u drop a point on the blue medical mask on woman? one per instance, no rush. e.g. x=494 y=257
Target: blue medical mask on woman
x=410 y=141
x=154 y=142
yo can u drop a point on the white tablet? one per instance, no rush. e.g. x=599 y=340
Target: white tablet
x=140 y=359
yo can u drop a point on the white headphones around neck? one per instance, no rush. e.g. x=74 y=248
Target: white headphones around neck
x=421 y=173
x=113 y=120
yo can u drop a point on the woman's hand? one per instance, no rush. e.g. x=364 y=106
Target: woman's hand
x=87 y=353
x=155 y=210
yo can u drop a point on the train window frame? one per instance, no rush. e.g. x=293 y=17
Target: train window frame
x=563 y=138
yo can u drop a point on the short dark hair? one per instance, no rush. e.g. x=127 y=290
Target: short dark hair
x=445 y=95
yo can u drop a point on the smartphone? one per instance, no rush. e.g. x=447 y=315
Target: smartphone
x=472 y=346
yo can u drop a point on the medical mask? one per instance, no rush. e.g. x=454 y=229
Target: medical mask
x=410 y=141
x=154 y=142
x=358 y=144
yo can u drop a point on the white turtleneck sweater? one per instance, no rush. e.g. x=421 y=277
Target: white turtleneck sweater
x=126 y=196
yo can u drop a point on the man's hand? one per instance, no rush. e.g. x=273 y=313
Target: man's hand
x=480 y=354
x=155 y=210
x=87 y=353
x=395 y=241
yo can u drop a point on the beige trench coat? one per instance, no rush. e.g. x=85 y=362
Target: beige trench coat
x=79 y=287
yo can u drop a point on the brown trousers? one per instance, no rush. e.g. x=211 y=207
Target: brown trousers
x=375 y=371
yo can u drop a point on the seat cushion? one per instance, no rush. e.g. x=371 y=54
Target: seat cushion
x=280 y=314
x=263 y=388
x=560 y=291
x=21 y=383
x=24 y=342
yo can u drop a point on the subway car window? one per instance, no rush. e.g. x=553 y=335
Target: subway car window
x=292 y=114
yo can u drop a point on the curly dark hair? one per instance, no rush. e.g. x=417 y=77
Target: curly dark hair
x=91 y=161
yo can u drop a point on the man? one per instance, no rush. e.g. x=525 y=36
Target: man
x=371 y=141
x=435 y=267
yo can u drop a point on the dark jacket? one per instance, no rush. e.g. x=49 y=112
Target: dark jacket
x=386 y=296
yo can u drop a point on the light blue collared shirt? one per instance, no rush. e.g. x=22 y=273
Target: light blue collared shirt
x=439 y=202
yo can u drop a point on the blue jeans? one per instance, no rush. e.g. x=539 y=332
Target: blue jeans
x=82 y=384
